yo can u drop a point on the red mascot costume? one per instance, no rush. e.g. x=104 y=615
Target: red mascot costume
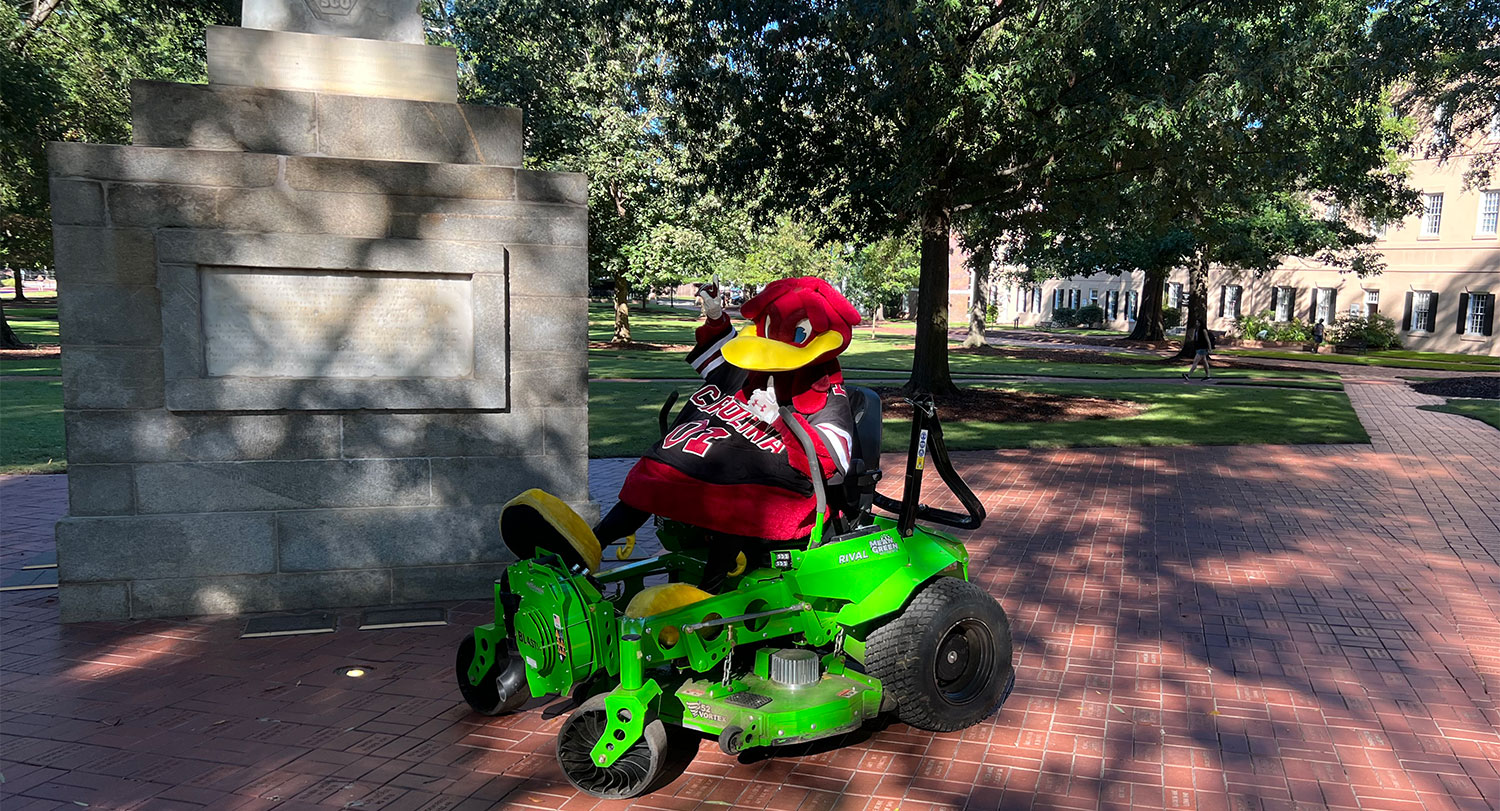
x=729 y=464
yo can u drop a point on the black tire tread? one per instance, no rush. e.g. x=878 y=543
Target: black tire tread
x=891 y=653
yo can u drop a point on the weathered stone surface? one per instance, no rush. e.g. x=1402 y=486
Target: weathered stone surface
x=511 y=223
x=542 y=324
x=195 y=116
x=333 y=394
x=181 y=321
x=158 y=436
x=322 y=251
x=106 y=377
x=109 y=315
x=185 y=167
x=550 y=388
x=77 y=202
x=568 y=188
x=88 y=255
x=318 y=540
x=283 y=211
x=566 y=432
x=467 y=481
x=100 y=490
x=91 y=602
x=249 y=594
x=434 y=583
x=543 y=270
x=386 y=436
x=403 y=178
x=156 y=205
x=149 y=547
x=392 y=129
x=394 y=20
x=289 y=60
x=283 y=485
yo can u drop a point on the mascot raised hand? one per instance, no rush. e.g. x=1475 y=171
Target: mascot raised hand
x=729 y=465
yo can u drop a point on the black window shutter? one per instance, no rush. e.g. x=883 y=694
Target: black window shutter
x=1489 y=313
x=1431 y=314
x=1312 y=307
x=1406 y=316
x=1463 y=311
x=1223 y=294
x=1333 y=304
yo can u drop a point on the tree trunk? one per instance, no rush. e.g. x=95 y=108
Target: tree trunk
x=622 y=309
x=929 y=368
x=1197 y=309
x=8 y=337
x=20 y=286
x=1148 y=323
x=979 y=276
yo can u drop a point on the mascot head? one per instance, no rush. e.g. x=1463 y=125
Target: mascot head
x=795 y=323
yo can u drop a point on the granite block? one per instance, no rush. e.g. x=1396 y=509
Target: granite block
x=386 y=436
x=76 y=202
x=201 y=487
x=87 y=255
x=109 y=315
x=158 y=436
x=393 y=20
x=111 y=377
x=195 y=116
x=136 y=164
x=402 y=178
x=92 y=602
x=392 y=129
x=149 y=547
x=320 y=540
x=290 y=60
x=100 y=490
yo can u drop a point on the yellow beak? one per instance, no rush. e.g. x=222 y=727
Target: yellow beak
x=750 y=351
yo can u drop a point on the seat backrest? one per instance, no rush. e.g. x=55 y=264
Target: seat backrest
x=866 y=406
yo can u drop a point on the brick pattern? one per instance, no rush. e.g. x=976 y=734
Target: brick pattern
x=1196 y=628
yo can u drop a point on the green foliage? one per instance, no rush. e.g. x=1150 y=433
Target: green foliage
x=67 y=78
x=785 y=248
x=1091 y=315
x=1171 y=318
x=880 y=274
x=1376 y=332
x=1064 y=317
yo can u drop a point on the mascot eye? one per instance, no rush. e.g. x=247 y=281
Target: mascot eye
x=802 y=332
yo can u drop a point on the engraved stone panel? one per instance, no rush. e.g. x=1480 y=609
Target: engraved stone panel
x=321 y=324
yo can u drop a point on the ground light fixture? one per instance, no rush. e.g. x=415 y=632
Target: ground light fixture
x=355 y=671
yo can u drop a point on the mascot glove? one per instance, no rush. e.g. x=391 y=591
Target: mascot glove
x=762 y=403
x=713 y=306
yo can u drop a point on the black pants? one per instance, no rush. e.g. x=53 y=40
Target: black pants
x=720 y=550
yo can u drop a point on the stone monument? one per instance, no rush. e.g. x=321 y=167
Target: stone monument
x=317 y=326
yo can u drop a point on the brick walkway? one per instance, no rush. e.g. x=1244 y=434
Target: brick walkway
x=1203 y=628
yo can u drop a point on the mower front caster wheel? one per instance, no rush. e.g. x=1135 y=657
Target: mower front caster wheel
x=632 y=775
x=500 y=690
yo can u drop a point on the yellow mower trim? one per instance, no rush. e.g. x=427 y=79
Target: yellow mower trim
x=568 y=525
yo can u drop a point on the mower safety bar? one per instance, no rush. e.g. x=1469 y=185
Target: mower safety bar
x=814 y=472
x=927 y=440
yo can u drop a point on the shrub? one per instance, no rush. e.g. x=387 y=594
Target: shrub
x=1064 y=317
x=1092 y=315
x=1377 y=332
x=1255 y=327
x=1171 y=318
x=991 y=313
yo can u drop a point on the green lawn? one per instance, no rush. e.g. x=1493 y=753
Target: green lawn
x=1486 y=411
x=42 y=367
x=622 y=418
x=34 y=325
x=1392 y=358
x=32 y=438
x=1113 y=333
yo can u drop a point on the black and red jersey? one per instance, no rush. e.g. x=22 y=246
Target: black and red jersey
x=723 y=469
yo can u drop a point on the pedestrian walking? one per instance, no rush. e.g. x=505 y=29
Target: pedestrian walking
x=1201 y=343
x=1317 y=332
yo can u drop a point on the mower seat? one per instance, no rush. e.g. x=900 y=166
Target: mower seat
x=852 y=500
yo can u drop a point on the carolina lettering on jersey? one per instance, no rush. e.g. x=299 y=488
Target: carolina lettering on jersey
x=737 y=417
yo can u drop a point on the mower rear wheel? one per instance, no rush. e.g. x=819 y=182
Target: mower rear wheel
x=946 y=659
x=633 y=774
x=485 y=697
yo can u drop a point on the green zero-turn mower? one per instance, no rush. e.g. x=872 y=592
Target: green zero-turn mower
x=811 y=640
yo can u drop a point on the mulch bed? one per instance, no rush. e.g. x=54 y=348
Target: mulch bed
x=1487 y=388
x=987 y=405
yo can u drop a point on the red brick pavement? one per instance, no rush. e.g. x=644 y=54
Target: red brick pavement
x=1197 y=628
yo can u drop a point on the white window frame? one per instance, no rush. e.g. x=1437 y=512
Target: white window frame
x=1323 y=304
x=1372 y=303
x=1283 y=300
x=1132 y=299
x=1174 y=295
x=1233 y=293
x=1112 y=305
x=1474 y=323
x=1432 y=214
x=1487 y=224
x=1423 y=319
x=1057 y=298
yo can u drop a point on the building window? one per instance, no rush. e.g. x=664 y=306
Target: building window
x=1432 y=214
x=1094 y=297
x=1489 y=213
x=1378 y=230
x=1323 y=303
x=1112 y=299
x=1372 y=303
x=1036 y=294
x=1057 y=299
x=1174 y=295
x=1333 y=212
x=1283 y=301
x=1229 y=301
x=1130 y=303
x=1476 y=316
x=1075 y=298
x=1421 y=307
